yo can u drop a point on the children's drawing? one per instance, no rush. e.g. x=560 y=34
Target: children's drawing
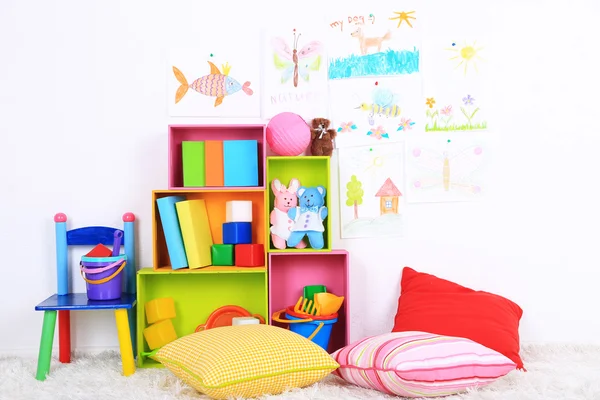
x=459 y=114
x=375 y=110
x=373 y=43
x=403 y=16
x=466 y=55
x=371 y=200
x=455 y=83
x=440 y=170
x=213 y=85
x=296 y=77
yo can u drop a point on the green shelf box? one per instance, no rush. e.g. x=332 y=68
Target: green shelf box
x=310 y=171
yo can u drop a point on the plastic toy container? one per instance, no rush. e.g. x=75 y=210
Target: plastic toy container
x=317 y=329
x=103 y=276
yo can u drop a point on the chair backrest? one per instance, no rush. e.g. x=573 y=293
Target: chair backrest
x=91 y=236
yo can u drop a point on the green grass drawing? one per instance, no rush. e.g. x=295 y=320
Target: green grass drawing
x=455 y=127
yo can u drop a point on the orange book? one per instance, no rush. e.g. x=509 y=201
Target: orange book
x=213 y=163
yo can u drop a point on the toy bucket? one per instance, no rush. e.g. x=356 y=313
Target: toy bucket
x=317 y=329
x=104 y=276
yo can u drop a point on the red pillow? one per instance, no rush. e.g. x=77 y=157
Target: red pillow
x=434 y=305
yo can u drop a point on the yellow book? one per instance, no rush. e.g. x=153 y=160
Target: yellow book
x=195 y=229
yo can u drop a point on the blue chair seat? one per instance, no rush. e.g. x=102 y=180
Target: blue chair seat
x=80 y=302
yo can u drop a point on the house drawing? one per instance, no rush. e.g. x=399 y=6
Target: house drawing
x=388 y=194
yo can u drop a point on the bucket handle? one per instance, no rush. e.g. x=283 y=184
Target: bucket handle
x=99 y=270
x=103 y=280
x=277 y=317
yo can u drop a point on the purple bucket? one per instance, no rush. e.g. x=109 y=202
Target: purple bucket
x=104 y=276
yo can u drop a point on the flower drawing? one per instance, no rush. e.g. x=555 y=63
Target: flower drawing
x=430 y=102
x=447 y=114
x=468 y=100
x=405 y=124
x=446 y=110
x=378 y=133
x=346 y=127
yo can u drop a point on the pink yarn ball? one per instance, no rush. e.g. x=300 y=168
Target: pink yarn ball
x=288 y=134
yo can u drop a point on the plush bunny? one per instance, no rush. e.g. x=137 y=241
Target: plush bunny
x=281 y=224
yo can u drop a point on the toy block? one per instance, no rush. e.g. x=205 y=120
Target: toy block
x=240 y=159
x=99 y=251
x=237 y=232
x=172 y=230
x=160 y=309
x=160 y=334
x=213 y=162
x=192 y=155
x=238 y=211
x=195 y=229
x=222 y=254
x=249 y=255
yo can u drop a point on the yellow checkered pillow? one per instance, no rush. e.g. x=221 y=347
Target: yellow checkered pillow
x=246 y=361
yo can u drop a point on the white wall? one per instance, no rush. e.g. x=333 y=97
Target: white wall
x=83 y=127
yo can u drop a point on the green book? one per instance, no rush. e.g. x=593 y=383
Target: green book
x=192 y=155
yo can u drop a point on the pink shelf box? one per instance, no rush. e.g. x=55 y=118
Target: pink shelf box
x=181 y=133
x=290 y=272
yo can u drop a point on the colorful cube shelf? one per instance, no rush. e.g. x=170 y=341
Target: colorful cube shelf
x=216 y=201
x=191 y=133
x=289 y=273
x=310 y=171
x=196 y=294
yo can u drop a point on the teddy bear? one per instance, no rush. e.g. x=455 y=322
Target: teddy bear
x=281 y=224
x=308 y=217
x=321 y=137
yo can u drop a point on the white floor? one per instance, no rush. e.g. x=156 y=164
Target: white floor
x=554 y=373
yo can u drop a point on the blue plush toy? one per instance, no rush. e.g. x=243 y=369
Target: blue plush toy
x=308 y=217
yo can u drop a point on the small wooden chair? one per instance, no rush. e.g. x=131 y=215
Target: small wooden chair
x=64 y=302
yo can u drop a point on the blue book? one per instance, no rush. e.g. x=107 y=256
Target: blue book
x=170 y=224
x=240 y=159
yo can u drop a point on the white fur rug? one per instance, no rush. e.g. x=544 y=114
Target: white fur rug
x=554 y=373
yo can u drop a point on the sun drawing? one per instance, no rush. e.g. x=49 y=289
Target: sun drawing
x=403 y=16
x=467 y=54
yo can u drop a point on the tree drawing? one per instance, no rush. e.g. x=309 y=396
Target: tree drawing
x=355 y=194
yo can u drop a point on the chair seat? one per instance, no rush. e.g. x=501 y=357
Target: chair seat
x=80 y=301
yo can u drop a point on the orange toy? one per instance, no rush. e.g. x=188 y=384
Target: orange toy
x=223 y=316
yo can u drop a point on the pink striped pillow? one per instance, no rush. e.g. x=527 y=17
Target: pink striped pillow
x=419 y=364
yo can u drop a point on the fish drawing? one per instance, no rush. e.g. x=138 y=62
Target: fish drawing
x=215 y=84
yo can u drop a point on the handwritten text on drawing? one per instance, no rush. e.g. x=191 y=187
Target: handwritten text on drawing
x=289 y=97
x=356 y=20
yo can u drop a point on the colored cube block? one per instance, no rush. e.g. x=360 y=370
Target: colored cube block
x=160 y=334
x=222 y=254
x=213 y=162
x=99 y=251
x=240 y=159
x=192 y=155
x=249 y=255
x=237 y=232
x=160 y=309
x=238 y=211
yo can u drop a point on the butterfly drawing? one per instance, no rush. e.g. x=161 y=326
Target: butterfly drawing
x=293 y=62
x=448 y=171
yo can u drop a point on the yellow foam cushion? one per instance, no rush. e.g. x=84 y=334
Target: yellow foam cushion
x=246 y=361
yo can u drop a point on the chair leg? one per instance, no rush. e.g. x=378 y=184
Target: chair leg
x=125 y=346
x=45 y=354
x=133 y=329
x=64 y=336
